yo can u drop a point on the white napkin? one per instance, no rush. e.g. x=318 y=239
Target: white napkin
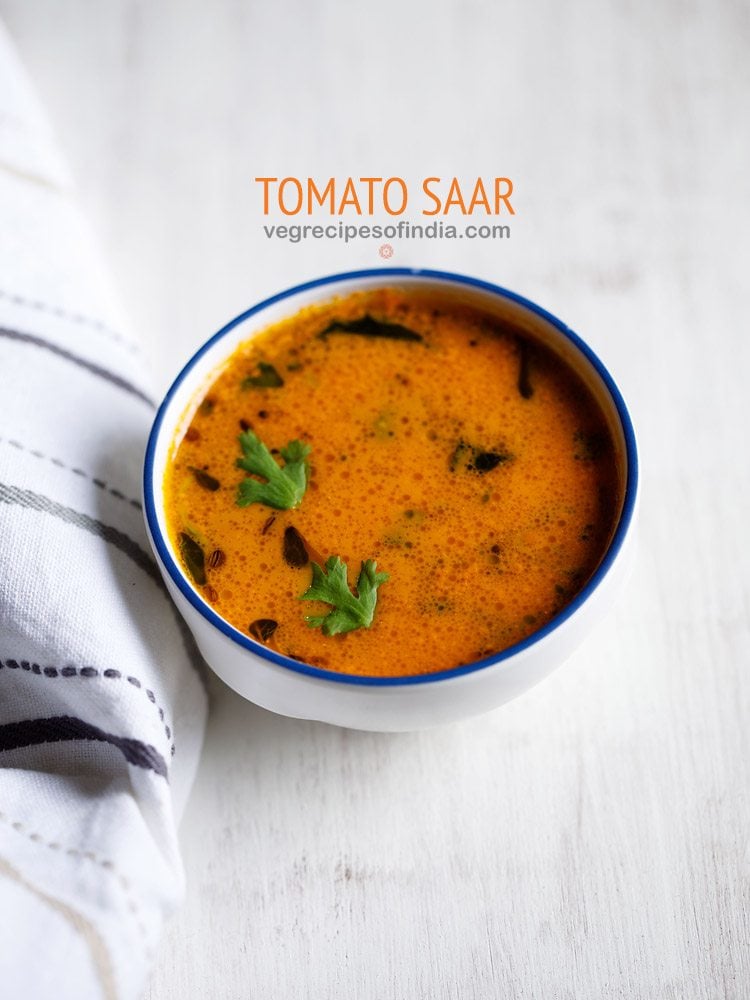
x=102 y=705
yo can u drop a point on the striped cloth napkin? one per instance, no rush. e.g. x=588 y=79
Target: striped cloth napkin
x=102 y=701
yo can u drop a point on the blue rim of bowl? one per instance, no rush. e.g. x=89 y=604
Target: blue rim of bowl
x=187 y=590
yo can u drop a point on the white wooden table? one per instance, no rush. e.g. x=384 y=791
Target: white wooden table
x=590 y=840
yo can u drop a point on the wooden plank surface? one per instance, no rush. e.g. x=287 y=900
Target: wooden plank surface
x=590 y=840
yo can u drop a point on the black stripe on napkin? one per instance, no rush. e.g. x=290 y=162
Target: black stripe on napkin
x=62 y=728
x=71 y=317
x=14 y=495
x=104 y=373
x=37 y=501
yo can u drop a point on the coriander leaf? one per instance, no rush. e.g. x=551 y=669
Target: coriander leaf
x=285 y=485
x=331 y=586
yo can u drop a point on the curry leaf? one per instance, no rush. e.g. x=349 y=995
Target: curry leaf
x=195 y=560
x=366 y=326
x=267 y=378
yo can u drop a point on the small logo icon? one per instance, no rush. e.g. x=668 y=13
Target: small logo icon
x=386 y=251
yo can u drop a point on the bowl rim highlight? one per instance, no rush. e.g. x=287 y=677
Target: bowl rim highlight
x=181 y=581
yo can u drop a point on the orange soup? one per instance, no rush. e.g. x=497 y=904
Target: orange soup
x=434 y=484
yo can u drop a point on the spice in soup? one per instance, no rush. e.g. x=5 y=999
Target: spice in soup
x=392 y=484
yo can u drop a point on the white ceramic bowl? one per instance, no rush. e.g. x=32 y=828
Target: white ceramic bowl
x=396 y=703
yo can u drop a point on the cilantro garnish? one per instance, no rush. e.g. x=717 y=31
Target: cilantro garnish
x=331 y=586
x=285 y=485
